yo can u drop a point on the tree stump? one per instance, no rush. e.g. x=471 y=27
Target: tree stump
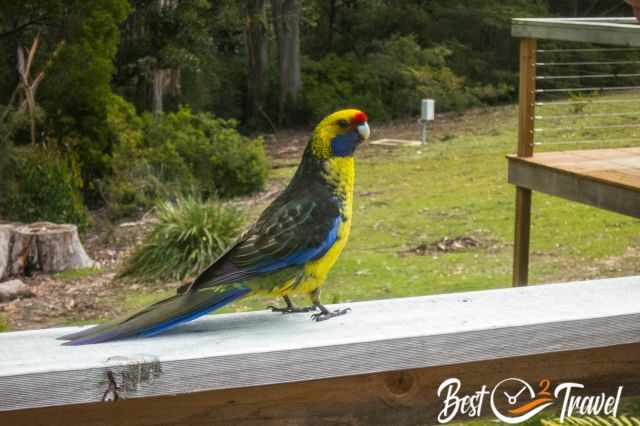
x=47 y=247
x=6 y=232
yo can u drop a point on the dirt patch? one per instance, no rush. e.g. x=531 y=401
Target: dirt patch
x=83 y=295
x=443 y=245
x=368 y=193
x=57 y=301
x=580 y=268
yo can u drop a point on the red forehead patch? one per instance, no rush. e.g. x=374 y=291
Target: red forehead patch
x=360 y=117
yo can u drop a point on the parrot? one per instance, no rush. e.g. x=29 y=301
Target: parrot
x=290 y=248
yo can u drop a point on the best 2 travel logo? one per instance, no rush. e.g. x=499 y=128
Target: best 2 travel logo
x=514 y=400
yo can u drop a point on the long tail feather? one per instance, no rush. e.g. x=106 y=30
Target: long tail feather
x=160 y=316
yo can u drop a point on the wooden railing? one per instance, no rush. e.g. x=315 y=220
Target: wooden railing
x=379 y=365
x=613 y=185
x=526 y=114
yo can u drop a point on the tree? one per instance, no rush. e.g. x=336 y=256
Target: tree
x=257 y=60
x=588 y=8
x=27 y=87
x=161 y=39
x=286 y=20
x=80 y=39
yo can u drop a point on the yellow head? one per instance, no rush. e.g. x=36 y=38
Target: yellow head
x=339 y=134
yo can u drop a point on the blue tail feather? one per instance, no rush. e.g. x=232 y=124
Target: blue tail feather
x=146 y=323
x=226 y=298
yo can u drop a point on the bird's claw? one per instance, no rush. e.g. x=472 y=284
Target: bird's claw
x=291 y=310
x=323 y=316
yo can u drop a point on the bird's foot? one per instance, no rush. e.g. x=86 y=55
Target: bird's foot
x=325 y=314
x=291 y=309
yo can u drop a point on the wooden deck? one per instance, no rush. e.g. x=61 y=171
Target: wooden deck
x=609 y=179
x=605 y=178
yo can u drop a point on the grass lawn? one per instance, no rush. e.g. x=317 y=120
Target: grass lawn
x=408 y=197
x=3 y=324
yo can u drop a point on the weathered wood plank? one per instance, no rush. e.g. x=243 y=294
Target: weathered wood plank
x=263 y=348
x=616 y=167
x=526 y=97
x=601 y=183
x=526 y=122
x=522 y=237
x=613 y=31
x=407 y=397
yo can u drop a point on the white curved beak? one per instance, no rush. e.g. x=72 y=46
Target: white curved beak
x=364 y=131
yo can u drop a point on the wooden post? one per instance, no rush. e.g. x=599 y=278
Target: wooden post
x=525 y=149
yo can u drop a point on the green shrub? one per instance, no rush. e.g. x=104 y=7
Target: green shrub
x=15 y=129
x=208 y=152
x=158 y=156
x=238 y=165
x=581 y=101
x=337 y=82
x=132 y=187
x=6 y=144
x=132 y=190
x=4 y=324
x=408 y=73
x=46 y=186
x=190 y=235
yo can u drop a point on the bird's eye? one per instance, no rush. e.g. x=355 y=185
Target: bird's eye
x=343 y=124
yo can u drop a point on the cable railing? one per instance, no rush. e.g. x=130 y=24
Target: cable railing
x=569 y=111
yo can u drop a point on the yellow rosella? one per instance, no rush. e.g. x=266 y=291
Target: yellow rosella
x=290 y=249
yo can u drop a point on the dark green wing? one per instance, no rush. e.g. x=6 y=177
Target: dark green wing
x=293 y=230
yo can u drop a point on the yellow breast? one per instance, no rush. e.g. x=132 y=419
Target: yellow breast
x=340 y=171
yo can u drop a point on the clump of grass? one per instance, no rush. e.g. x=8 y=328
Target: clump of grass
x=583 y=101
x=4 y=325
x=75 y=274
x=189 y=235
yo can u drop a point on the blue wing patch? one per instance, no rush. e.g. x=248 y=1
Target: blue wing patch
x=303 y=256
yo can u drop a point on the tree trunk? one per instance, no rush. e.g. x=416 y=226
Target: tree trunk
x=333 y=9
x=157 y=91
x=6 y=232
x=158 y=88
x=165 y=81
x=256 y=41
x=46 y=247
x=286 y=18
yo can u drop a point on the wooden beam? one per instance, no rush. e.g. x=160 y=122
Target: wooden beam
x=571 y=185
x=526 y=114
x=228 y=352
x=526 y=96
x=611 y=31
x=406 y=397
x=522 y=237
